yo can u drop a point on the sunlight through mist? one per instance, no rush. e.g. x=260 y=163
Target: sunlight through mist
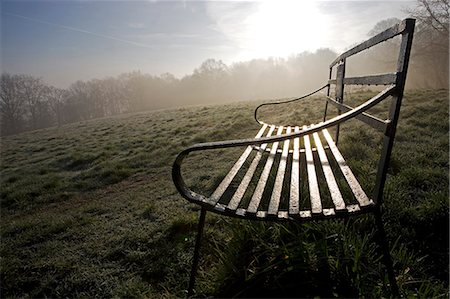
x=281 y=30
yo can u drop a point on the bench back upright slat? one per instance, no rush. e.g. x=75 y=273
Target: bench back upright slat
x=339 y=91
x=394 y=110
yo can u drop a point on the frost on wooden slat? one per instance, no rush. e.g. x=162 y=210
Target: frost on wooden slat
x=294 y=198
x=217 y=194
x=283 y=215
x=359 y=193
x=336 y=195
x=240 y=191
x=316 y=205
x=278 y=186
x=305 y=214
x=353 y=208
x=256 y=198
x=328 y=212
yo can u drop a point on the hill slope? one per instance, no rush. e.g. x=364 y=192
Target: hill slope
x=89 y=209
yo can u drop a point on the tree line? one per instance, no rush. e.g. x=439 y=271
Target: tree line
x=28 y=103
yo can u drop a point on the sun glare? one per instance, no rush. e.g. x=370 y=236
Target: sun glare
x=280 y=29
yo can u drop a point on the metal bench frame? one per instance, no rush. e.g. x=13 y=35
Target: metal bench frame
x=396 y=84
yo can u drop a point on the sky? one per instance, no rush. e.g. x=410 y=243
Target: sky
x=66 y=41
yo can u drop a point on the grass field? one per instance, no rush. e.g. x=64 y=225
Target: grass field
x=89 y=210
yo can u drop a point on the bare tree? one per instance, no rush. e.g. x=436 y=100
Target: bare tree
x=55 y=98
x=12 y=105
x=114 y=95
x=433 y=14
x=34 y=92
x=430 y=53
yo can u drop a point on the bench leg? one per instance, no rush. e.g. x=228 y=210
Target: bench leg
x=201 y=224
x=386 y=254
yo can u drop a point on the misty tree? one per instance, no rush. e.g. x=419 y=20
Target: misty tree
x=77 y=106
x=33 y=92
x=310 y=69
x=116 y=98
x=12 y=104
x=271 y=78
x=433 y=14
x=56 y=98
x=211 y=69
x=96 y=100
x=433 y=26
x=24 y=103
x=430 y=53
x=136 y=89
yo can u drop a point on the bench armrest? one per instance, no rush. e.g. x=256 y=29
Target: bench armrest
x=285 y=102
x=192 y=196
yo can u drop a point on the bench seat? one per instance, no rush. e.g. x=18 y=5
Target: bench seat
x=285 y=167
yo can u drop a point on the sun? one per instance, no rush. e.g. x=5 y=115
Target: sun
x=283 y=28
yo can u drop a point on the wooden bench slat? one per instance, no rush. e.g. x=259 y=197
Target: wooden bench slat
x=329 y=212
x=305 y=214
x=353 y=208
x=387 y=34
x=278 y=185
x=369 y=119
x=279 y=151
x=294 y=198
x=217 y=194
x=283 y=214
x=359 y=193
x=256 y=198
x=316 y=205
x=381 y=79
x=336 y=195
x=240 y=191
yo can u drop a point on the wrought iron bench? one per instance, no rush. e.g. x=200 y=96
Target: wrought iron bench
x=287 y=144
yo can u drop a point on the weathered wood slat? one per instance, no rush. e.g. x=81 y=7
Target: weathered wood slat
x=305 y=214
x=279 y=151
x=382 y=79
x=336 y=195
x=365 y=117
x=283 y=215
x=217 y=194
x=294 y=197
x=240 y=191
x=314 y=195
x=340 y=74
x=256 y=198
x=381 y=37
x=329 y=212
x=261 y=214
x=359 y=193
x=278 y=185
x=353 y=208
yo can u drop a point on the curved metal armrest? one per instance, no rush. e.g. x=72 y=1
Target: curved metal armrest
x=285 y=102
x=192 y=196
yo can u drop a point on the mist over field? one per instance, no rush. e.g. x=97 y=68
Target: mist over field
x=29 y=103
x=211 y=83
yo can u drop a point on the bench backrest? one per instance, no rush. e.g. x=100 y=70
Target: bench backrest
x=395 y=80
